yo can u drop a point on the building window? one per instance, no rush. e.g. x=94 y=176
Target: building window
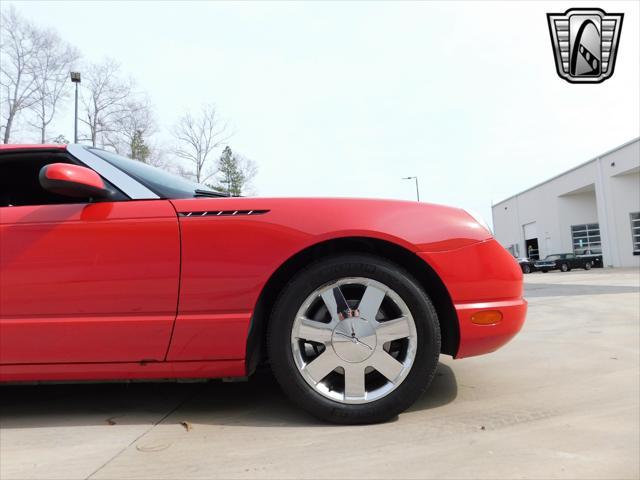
x=635 y=232
x=586 y=239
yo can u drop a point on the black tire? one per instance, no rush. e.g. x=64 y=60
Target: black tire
x=564 y=267
x=325 y=271
x=587 y=266
x=526 y=269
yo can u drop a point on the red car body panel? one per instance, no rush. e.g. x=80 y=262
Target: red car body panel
x=23 y=146
x=226 y=260
x=88 y=283
x=483 y=276
x=121 y=371
x=155 y=289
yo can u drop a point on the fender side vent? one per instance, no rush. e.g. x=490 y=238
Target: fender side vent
x=223 y=213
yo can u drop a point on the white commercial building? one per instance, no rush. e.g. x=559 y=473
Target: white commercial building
x=592 y=207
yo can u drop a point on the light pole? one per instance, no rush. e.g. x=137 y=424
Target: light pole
x=417 y=189
x=75 y=78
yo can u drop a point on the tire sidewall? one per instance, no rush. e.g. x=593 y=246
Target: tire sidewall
x=330 y=270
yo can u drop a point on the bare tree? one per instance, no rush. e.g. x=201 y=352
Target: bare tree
x=162 y=157
x=198 y=136
x=132 y=129
x=249 y=169
x=53 y=62
x=104 y=100
x=20 y=43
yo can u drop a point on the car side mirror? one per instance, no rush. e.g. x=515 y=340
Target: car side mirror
x=73 y=181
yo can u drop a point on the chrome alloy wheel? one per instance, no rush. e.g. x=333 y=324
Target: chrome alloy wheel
x=354 y=340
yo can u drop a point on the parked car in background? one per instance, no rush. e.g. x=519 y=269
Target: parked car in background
x=594 y=258
x=564 y=262
x=526 y=265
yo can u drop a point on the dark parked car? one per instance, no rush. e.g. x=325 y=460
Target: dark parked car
x=594 y=258
x=526 y=265
x=564 y=262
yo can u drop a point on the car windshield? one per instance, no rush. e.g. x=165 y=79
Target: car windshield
x=160 y=182
x=552 y=257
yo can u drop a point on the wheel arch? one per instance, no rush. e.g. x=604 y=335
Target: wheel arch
x=416 y=266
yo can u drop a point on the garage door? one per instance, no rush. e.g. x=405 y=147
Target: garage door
x=530 y=231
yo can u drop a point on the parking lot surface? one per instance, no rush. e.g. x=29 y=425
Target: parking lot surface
x=562 y=400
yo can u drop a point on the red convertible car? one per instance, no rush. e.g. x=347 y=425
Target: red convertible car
x=111 y=269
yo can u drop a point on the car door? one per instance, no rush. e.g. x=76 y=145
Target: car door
x=83 y=282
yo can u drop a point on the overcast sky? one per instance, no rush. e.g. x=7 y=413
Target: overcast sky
x=344 y=99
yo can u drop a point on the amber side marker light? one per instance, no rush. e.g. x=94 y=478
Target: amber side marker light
x=486 y=317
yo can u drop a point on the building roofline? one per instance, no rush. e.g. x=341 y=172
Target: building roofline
x=608 y=152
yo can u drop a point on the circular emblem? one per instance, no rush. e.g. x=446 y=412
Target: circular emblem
x=354 y=339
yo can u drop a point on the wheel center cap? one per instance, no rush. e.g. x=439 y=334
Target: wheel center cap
x=354 y=339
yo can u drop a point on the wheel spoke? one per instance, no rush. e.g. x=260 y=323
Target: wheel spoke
x=386 y=365
x=354 y=381
x=393 y=329
x=313 y=331
x=331 y=299
x=341 y=302
x=322 y=365
x=371 y=301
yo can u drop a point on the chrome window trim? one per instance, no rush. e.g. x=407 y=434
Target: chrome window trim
x=129 y=186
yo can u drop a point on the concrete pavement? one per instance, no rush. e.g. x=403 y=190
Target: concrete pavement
x=560 y=401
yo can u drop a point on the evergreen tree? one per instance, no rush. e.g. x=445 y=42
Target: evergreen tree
x=139 y=149
x=61 y=139
x=230 y=175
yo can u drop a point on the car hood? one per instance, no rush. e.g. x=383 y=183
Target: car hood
x=416 y=225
